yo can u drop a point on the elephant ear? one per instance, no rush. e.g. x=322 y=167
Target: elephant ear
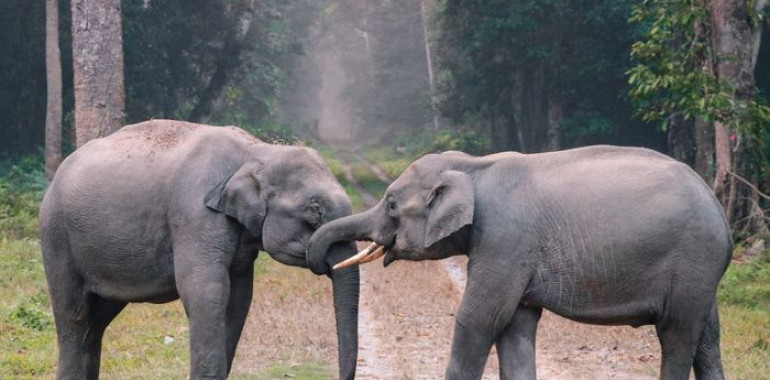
x=450 y=206
x=240 y=197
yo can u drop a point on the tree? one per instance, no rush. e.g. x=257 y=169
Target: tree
x=53 y=125
x=534 y=71
x=697 y=62
x=97 y=45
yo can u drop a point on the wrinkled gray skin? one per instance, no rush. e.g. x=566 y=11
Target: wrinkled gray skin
x=602 y=235
x=164 y=210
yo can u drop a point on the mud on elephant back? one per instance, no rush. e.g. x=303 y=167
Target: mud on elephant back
x=165 y=209
x=603 y=235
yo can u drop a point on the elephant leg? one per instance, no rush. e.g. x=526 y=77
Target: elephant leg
x=81 y=318
x=679 y=333
x=241 y=287
x=708 y=357
x=516 y=345
x=489 y=303
x=204 y=288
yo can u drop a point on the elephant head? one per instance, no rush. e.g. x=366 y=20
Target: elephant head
x=422 y=215
x=281 y=200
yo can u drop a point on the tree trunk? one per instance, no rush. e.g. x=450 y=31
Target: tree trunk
x=704 y=155
x=97 y=53
x=429 y=63
x=680 y=139
x=53 y=117
x=735 y=38
x=555 y=119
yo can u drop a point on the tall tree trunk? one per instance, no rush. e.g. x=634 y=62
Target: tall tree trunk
x=704 y=155
x=735 y=36
x=429 y=63
x=97 y=52
x=555 y=119
x=53 y=117
x=681 y=140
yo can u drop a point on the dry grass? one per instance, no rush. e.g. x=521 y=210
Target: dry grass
x=291 y=322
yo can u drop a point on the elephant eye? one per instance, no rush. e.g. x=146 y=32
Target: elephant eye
x=391 y=204
x=313 y=213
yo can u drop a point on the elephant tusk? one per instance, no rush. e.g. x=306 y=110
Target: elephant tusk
x=379 y=252
x=360 y=256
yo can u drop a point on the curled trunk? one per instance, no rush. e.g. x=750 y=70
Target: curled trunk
x=350 y=228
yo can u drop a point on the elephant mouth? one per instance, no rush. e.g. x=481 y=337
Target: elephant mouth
x=372 y=252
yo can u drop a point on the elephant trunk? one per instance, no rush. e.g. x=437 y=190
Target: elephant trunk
x=349 y=228
x=346 y=285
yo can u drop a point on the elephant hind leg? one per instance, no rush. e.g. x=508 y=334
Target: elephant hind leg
x=679 y=332
x=81 y=318
x=516 y=345
x=708 y=357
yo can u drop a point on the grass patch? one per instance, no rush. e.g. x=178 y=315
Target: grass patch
x=391 y=162
x=27 y=336
x=364 y=175
x=338 y=169
x=744 y=308
x=296 y=372
x=21 y=189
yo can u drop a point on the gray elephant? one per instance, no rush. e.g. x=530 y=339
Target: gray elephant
x=165 y=209
x=602 y=235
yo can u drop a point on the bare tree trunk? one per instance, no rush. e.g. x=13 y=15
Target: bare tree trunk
x=681 y=142
x=555 y=119
x=97 y=52
x=53 y=117
x=735 y=37
x=704 y=155
x=429 y=63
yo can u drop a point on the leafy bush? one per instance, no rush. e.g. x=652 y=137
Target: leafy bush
x=29 y=313
x=22 y=184
x=274 y=133
x=434 y=142
x=747 y=284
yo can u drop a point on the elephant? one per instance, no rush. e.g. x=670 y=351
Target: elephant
x=164 y=210
x=602 y=235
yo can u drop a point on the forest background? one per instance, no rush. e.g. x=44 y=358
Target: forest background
x=398 y=78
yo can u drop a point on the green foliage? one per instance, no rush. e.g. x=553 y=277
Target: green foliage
x=747 y=284
x=468 y=142
x=675 y=73
x=181 y=56
x=22 y=184
x=31 y=312
x=515 y=57
x=418 y=144
x=582 y=125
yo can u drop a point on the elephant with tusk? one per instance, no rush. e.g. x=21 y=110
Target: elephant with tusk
x=603 y=235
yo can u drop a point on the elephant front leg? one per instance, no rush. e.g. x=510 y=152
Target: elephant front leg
x=241 y=289
x=204 y=288
x=516 y=345
x=487 y=308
